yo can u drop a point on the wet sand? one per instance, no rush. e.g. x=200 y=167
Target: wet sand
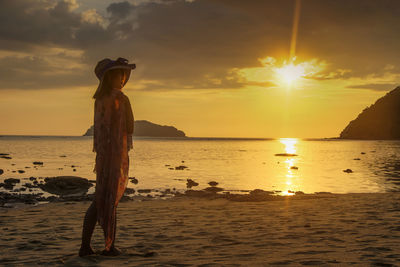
x=329 y=230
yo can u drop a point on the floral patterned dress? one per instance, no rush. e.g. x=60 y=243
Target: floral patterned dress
x=112 y=140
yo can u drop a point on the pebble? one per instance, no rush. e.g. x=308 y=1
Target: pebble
x=213 y=183
x=181 y=167
x=133 y=180
x=190 y=183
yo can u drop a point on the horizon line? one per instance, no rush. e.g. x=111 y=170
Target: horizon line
x=164 y=137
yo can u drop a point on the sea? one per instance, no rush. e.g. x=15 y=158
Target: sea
x=284 y=165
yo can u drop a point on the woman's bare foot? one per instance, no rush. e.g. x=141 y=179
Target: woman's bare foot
x=112 y=252
x=84 y=251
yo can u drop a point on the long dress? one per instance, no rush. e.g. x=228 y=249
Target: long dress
x=112 y=140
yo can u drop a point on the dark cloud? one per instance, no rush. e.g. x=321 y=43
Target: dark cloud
x=180 y=44
x=32 y=72
x=375 y=86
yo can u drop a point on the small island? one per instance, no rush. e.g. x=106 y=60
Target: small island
x=145 y=128
x=380 y=121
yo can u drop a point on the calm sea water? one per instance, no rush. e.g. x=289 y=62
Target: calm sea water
x=235 y=164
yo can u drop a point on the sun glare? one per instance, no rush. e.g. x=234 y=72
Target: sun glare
x=290 y=73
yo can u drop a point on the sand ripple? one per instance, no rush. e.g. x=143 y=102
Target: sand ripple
x=351 y=229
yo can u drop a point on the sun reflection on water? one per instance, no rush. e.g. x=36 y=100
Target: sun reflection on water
x=290 y=148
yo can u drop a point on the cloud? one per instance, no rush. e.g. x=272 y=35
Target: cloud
x=198 y=44
x=375 y=86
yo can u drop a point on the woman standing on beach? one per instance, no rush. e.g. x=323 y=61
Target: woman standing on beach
x=112 y=140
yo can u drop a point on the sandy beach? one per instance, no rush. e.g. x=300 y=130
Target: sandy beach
x=329 y=229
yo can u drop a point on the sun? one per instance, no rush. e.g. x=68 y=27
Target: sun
x=290 y=73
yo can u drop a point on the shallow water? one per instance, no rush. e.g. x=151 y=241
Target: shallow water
x=235 y=164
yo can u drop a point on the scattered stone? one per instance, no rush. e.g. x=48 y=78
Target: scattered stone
x=21 y=171
x=37 y=163
x=1 y=171
x=294 y=167
x=133 y=180
x=35 y=182
x=167 y=165
x=14 y=171
x=182 y=161
x=171 y=168
x=285 y=155
x=60 y=168
x=6 y=157
x=167 y=191
x=129 y=190
x=27 y=167
x=362 y=153
x=213 y=189
x=356 y=159
x=190 y=183
x=66 y=185
x=52 y=198
x=213 y=183
x=74 y=170
x=8 y=186
x=4 y=154
x=144 y=190
x=197 y=193
x=62 y=156
x=12 y=181
x=348 y=170
x=22 y=189
x=181 y=167
x=29 y=185
x=260 y=192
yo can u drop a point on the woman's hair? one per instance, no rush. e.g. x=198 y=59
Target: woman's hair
x=105 y=86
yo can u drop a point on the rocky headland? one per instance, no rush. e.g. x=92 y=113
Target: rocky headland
x=380 y=121
x=148 y=129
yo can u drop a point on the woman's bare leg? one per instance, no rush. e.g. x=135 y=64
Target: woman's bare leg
x=88 y=226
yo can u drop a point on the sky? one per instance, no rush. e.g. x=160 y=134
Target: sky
x=212 y=68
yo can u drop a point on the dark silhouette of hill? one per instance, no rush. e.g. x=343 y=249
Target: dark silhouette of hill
x=378 y=121
x=149 y=129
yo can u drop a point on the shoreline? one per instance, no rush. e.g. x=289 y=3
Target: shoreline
x=257 y=195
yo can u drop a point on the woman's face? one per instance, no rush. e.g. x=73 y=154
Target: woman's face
x=117 y=78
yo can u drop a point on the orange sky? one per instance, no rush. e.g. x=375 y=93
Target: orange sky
x=209 y=68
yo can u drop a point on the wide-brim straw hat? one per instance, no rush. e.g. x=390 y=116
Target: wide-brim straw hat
x=107 y=64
